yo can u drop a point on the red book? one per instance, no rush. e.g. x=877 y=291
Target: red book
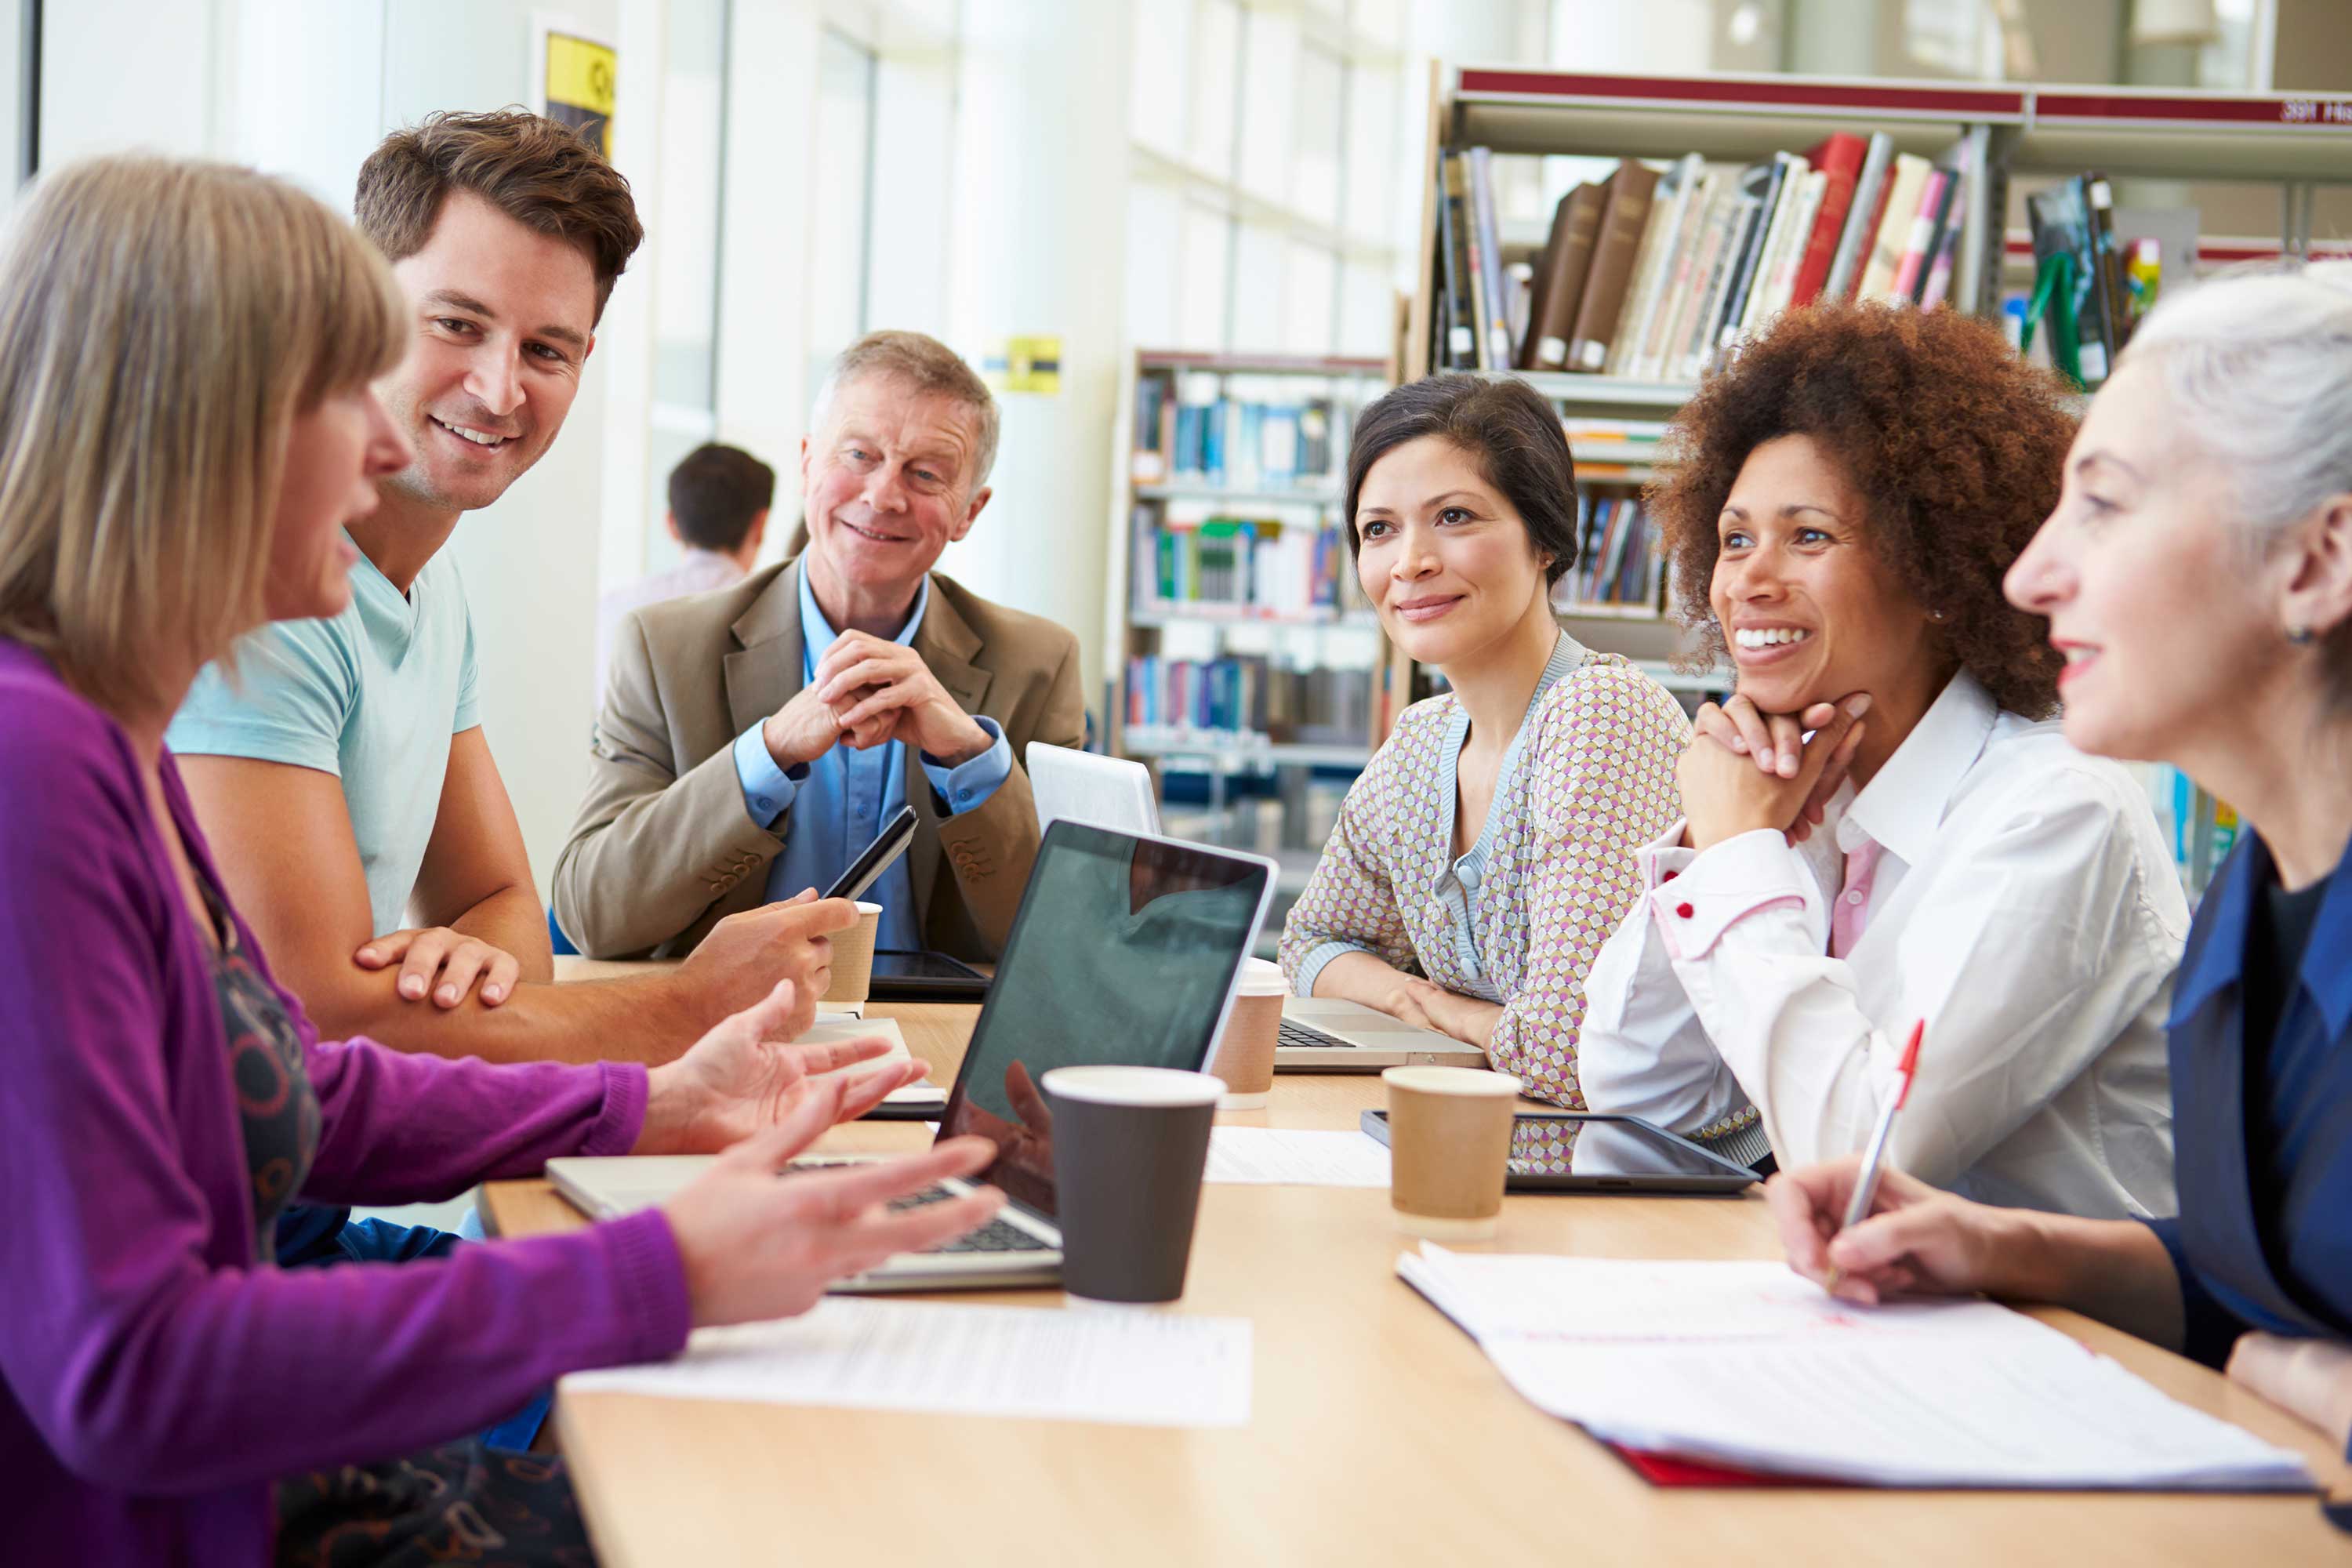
x=1839 y=156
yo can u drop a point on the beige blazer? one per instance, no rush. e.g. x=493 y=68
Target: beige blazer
x=663 y=848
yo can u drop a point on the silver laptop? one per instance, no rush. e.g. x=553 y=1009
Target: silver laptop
x=1322 y=1034
x=1081 y=787
x=1317 y=1035
x=1125 y=952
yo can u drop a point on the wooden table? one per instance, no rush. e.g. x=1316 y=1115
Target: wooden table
x=1379 y=1433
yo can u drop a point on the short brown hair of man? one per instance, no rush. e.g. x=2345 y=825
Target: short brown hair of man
x=1504 y=426
x=715 y=492
x=1957 y=447
x=542 y=173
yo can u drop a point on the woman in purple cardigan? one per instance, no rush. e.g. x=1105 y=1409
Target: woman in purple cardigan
x=185 y=426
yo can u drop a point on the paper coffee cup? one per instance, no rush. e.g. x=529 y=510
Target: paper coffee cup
x=1449 y=1149
x=1130 y=1144
x=1244 y=1053
x=852 y=958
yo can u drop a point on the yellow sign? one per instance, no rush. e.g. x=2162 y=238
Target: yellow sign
x=1027 y=365
x=581 y=77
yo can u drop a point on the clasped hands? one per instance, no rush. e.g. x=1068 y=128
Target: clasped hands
x=868 y=691
x=1745 y=769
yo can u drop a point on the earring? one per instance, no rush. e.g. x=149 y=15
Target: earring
x=2299 y=635
x=1936 y=616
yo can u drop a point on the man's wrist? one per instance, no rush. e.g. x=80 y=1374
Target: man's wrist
x=973 y=742
x=778 y=751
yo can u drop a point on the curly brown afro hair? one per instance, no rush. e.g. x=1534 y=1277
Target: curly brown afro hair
x=1957 y=445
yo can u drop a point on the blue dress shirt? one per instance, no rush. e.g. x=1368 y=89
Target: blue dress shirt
x=2280 y=1106
x=840 y=801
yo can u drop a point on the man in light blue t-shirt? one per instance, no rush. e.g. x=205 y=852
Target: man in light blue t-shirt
x=341 y=771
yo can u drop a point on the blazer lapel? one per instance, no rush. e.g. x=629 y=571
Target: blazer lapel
x=763 y=673
x=946 y=643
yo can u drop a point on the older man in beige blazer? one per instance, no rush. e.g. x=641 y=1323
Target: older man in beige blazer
x=735 y=755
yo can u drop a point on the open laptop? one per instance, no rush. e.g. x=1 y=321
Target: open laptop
x=1081 y=787
x=1319 y=1034
x=1125 y=952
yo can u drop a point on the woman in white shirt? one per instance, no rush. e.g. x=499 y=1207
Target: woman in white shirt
x=1849 y=493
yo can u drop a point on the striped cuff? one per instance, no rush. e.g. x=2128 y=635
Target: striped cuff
x=1741 y=1145
x=1312 y=965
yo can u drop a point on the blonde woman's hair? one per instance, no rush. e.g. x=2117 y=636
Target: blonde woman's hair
x=161 y=322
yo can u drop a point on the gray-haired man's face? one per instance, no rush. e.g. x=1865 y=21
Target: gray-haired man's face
x=887 y=483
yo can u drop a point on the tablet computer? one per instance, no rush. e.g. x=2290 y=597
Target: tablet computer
x=1591 y=1152
x=904 y=976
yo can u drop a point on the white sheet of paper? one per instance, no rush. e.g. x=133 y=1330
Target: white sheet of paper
x=833 y=1030
x=1120 y=1366
x=1748 y=1364
x=1274 y=1156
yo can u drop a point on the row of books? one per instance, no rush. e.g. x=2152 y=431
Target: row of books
x=1656 y=275
x=1615 y=564
x=1247 y=694
x=1244 y=432
x=1246 y=565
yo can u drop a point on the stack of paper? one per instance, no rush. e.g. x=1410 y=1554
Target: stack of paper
x=1747 y=1364
x=1111 y=1364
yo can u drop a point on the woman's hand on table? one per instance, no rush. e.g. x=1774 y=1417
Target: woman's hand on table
x=1917 y=1240
x=2311 y=1378
x=1430 y=1005
x=746 y=1076
x=759 y=1240
x=1745 y=769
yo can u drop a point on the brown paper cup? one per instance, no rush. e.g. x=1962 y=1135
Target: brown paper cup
x=1449 y=1149
x=852 y=958
x=1244 y=1053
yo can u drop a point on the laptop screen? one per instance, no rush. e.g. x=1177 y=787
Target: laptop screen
x=1123 y=954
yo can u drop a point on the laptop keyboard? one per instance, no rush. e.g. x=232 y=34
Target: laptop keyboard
x=996 y=1236
x=1297 y=1034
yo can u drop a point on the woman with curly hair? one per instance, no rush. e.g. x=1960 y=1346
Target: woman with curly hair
x=1487 y=852
x=2197 y=577
x=1845 y=499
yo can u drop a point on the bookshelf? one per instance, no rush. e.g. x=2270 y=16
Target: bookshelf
x=1995 y=131
x=1247 y=660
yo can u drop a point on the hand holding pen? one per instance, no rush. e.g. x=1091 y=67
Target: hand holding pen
x=1874 y=1156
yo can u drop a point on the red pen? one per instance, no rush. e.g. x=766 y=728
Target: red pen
x=1874 y=1157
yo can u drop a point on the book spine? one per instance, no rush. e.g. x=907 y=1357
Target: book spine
x=1862 y=219
x=1839 y=158
x=1766 y=179
x=1631 y=189
x=1490 y=254
x=1910 y=271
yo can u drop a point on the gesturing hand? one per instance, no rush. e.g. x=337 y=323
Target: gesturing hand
x=1786 y=785
x=747 y=954
x=757 y=1243
x=458 y=959
x=746 y=1076
x=884 y=691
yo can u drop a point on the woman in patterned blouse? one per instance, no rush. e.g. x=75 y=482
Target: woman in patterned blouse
x=1487 y=852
